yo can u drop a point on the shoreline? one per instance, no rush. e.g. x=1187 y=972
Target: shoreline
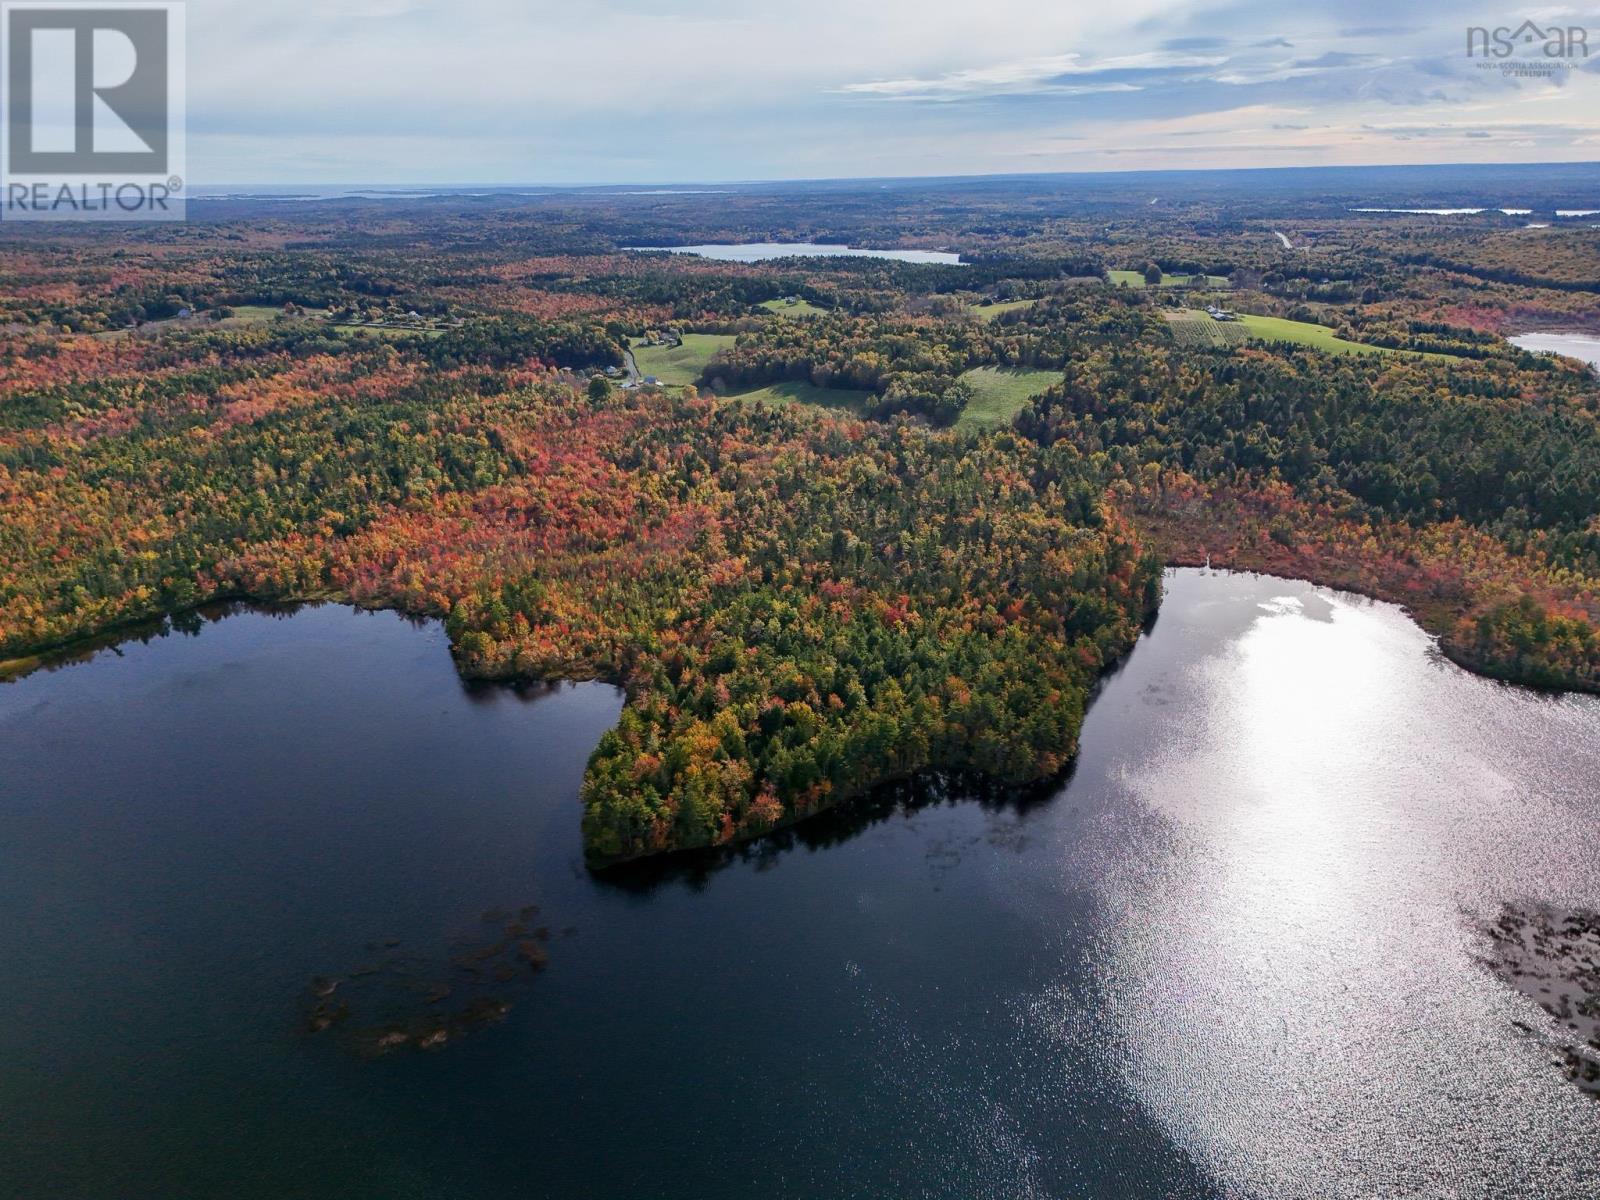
x=84 y=649
x=1370 y=592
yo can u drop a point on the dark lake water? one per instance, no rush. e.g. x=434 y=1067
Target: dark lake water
x=1233 y=956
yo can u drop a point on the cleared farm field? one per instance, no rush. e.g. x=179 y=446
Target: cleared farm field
x=1135 y=279
x=386 y=331
x=800 y=308
x=680 y=365
x=1319 y=337
x=1191 y=327
x=1304 y=333
x=988 y=312
x=1000 y=393
x=843 y=399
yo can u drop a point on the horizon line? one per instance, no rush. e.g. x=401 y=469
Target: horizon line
x=411 y=185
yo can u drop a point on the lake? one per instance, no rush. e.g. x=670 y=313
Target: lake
x=1235 y=955
x=1584 y=347
x=747 y=252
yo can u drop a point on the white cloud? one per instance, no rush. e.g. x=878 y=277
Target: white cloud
x=1034 y=76
x=651 y=90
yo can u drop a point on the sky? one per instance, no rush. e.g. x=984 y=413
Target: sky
x=672 y=91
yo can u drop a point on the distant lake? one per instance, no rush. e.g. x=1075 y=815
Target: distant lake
x=1440 y=212
x=1574 y=345
x=1471 y=212
x=1231 y=956
x=759 y=251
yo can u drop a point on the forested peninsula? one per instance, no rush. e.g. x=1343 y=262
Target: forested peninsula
x=829 y=524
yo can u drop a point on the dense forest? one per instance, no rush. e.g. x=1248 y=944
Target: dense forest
x=433 y=407
x=1283 y=459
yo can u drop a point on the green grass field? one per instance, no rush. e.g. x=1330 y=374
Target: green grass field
x=1135 y=279
x=1000 y=393
x=262 y=314
x=1191 y=327
x=1304 y=333
x=800 y=308
x=679 y=365
x=251 y=314
x=243 y=315
x=385 y=331
x=1320 y=337
x=842 y=399
x=988 y=312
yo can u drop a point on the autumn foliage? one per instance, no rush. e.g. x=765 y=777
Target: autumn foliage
x=799 y=605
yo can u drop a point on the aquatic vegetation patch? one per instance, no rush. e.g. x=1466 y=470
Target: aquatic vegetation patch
x=1552 y=956
x=401 y=999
